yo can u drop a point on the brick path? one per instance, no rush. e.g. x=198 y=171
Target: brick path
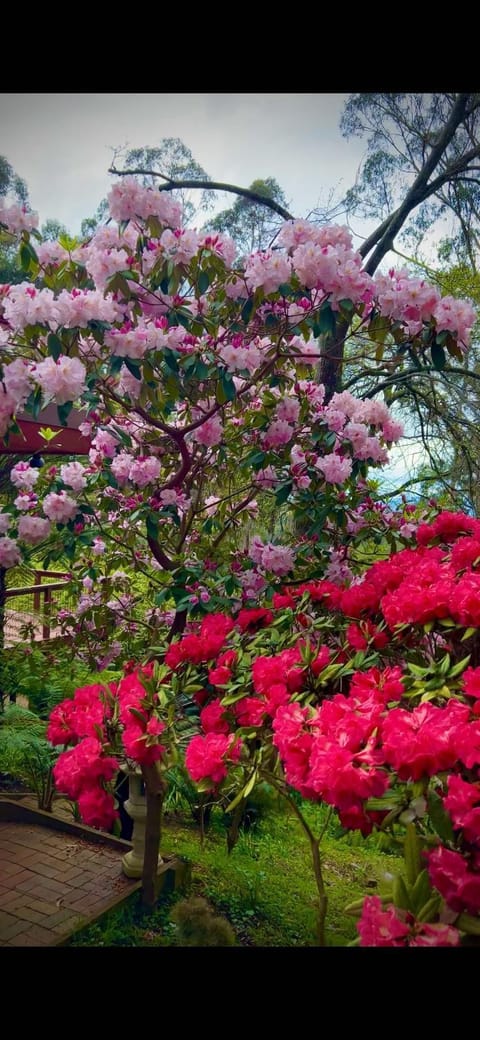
x=52 y=882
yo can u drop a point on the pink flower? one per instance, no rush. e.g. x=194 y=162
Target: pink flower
x=24 y=476
x=389 y=926
x=278 y=559
x=268 y=270
x=212 y=717
x=33 y=529
x=60 y=728
x=97 y=808
x=83 y=766
x=210 y=432
x=73 y=475
x=335 y=468
x=121 y=466
x=62 y=380
x=5 y=522
x=144 y=471
x=379 y=927
x=59 y=507
x=10 y=554
x=207 y=757
x=471 y=681
x=459 y=885
x=278 y=434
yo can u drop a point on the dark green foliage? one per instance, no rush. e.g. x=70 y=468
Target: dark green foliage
x=25 y=754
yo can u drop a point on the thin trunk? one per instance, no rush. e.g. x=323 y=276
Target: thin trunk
x=179 y=622
x=322 y=896
x=316 y=860
x=154 y=792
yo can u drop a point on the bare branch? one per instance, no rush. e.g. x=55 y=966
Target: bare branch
x=172 y=185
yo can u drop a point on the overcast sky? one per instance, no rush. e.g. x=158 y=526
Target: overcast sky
x=61 y=144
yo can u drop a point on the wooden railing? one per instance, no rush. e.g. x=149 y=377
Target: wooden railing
x=41 y=591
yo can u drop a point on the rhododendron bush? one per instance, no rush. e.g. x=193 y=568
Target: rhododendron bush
x=194 y=379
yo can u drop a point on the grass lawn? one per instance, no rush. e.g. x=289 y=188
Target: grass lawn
x=265 y=887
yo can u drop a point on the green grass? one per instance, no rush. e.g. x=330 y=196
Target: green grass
x=265 y=887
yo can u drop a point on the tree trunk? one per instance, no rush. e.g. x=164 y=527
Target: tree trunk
x=329 y=371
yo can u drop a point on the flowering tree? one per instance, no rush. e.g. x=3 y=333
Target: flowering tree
x=194 y=376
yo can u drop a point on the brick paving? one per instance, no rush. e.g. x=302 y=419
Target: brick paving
x=52 y=882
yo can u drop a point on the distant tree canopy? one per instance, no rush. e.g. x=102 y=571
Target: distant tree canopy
x=251 y=225
x=422 y=166
x=12 y=186
x=11 y=183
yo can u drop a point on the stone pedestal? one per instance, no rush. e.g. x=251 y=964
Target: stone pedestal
x=136 y=807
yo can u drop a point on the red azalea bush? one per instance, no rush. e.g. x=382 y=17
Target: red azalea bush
x=377 y=717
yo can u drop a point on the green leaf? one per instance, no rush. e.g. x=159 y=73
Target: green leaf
x=63 y=412
x=421 y=892
x=326 y=321
x=152 y=527
x=133 y=367
x=459 y=667
x=445 y=665
x=430 y=910
x=225 y=389
x=247 y=310
x=115 y=364
x=28 y=257
x=256 y=458
x=47 y=434
x=378 y=329
x=467 y=923
x=54 y=345
x=441 y=337
x=283 y=493
x=438 y=357
x=170 y=359
x=401 y=897
x=250 y=785
x=439 y=817
x=203 y=282
x=412 y=853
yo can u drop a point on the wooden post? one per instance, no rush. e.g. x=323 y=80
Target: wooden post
x=36 y=594
x=47 y=599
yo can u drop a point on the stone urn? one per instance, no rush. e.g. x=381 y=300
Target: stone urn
x=136 y=807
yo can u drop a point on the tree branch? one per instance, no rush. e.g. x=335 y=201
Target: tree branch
x=421 y=189
x=172 y=185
